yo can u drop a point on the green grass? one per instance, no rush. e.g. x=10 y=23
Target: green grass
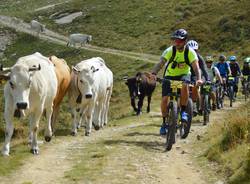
x=145 y=26
x=229 y=145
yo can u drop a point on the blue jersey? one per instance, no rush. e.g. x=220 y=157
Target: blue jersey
x=223 y=68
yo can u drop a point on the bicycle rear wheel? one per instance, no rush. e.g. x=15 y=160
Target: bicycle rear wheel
x=245 y=90
x=231 y=95
x=172 y=120
x=206 y=110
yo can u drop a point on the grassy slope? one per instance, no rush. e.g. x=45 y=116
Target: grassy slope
x=145 y=26
x=227 y=144
x=120 y=105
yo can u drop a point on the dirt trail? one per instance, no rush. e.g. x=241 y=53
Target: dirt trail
x=137 y=147
x=22 y=26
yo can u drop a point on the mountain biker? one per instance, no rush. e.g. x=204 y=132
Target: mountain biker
x=235 y=71
x=195 y=90
x=224 y=69
x=213 y=75
x=177 y=68
x=246 y=69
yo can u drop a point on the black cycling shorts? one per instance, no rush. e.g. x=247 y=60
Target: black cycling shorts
x=166 y=91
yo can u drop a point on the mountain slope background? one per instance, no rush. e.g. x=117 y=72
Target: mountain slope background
x=144 y=25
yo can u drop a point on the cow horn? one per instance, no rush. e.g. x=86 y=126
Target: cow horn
x=125 y=78
x=75 y=70
x=35 y=68
x=5 y=77
x=5 y=69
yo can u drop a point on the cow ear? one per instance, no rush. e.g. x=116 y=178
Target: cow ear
x=75 y=70
x=125 y=78
x=5 y=77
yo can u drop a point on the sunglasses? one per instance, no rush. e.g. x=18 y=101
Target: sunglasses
x=209 y=62
x=178 y=41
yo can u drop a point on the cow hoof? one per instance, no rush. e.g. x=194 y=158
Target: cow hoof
x=34 y=151
x=87 y=134
x=5 y=153
x=138 y=113
x=73 y=133
x=47 y=138
x=97 y=127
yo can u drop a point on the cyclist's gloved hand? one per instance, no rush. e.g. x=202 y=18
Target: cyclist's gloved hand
x=199 y=82
x=154 y=75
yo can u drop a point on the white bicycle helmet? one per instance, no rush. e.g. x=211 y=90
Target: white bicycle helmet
x=193 y=44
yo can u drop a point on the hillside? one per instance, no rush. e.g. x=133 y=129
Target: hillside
x=145 y=26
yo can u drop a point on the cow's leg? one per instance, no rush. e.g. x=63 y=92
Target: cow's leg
x=34 y=121
x=133 y=104
x=140 y=103
x=54 y=117
x=79 y=124
x=97 y=114
x=8 y=116
x=75 y=122
x=48 y=129
x=106 y=108
x=89 y=116
x=149 y=101
x=102 y=111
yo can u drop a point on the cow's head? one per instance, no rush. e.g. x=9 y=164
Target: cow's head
x=19 y=79
x=89 y=38
x=42 y=28
x=85 y=80
x=134 y=84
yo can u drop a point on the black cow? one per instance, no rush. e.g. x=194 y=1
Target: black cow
x=143 y=84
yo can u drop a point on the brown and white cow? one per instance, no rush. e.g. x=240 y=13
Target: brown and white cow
x=63 y=79
x=143 y=84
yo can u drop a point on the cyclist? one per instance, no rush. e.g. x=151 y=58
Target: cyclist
x=195 y=90
x=224 y=69
x=178 y=59
x=213 y=75
x=235 y=71
x=246 y=69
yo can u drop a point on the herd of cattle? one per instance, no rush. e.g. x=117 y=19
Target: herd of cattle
x=75 y=38
x=36 y=85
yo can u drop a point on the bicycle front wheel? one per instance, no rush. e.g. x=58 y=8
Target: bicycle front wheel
x=172 y=120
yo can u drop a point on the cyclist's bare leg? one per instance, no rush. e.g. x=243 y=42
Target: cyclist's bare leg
x=213 y=97
x=184 y=95
x=195 y=94
x=195 y=97
x=164 y=104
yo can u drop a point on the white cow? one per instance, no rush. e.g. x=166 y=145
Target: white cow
x=90 y=92
x=31 y=89
x=37 y=27
x=79 y=38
